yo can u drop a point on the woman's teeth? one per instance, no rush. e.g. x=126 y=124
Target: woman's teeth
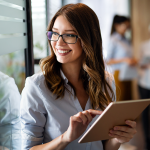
x=60 y=51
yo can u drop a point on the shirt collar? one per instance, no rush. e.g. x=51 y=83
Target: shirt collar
x=63 y=76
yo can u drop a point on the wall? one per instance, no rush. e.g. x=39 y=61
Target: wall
x=140 y=17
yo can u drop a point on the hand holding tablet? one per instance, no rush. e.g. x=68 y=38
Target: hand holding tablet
x=124 y=133
x=114 y=115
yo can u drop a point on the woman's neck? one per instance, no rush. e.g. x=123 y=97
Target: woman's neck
x=72 y=72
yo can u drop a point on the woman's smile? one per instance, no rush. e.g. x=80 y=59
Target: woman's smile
x=63 y=52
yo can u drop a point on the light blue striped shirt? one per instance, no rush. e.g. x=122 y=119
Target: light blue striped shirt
x=119 y=47
x=44 y=118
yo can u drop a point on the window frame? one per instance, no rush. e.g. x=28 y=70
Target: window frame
x=29 y=59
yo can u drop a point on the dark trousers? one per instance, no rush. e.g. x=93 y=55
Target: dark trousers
x=145 y=94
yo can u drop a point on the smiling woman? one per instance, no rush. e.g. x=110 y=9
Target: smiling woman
x=67 y=49
x=80 y=53
x=62 y=101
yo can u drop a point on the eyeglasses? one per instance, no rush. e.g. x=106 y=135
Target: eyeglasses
x=67 y=38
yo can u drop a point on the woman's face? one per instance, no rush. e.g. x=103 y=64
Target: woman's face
x=66 y=53
x=122 y=28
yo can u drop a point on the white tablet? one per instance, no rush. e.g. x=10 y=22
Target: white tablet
x=115 y=114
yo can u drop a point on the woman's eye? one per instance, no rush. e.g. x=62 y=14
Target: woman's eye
x=54 y=33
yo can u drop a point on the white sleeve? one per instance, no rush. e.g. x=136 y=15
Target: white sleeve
x=33 y=115
x=10 y=136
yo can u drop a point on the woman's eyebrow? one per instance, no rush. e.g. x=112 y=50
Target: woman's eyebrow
x=54 y=29
x=65 y=30
x=70 y=30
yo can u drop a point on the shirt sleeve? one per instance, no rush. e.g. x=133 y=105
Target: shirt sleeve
x=32 y=115
x=111 y=50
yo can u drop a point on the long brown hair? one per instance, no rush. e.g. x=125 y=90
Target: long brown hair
x=86 y=24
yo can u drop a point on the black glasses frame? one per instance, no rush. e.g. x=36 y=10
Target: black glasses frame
x=62 y=37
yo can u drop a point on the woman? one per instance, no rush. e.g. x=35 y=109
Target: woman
x=59 y=104
x=120 y=52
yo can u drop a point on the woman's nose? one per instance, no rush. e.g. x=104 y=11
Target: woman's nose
x=60 y=41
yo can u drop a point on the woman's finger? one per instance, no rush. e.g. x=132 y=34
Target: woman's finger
x=94 y=112
x=121 y=134
x=75 y=118
x=131 y=123
x=130 y=128
x=123 y=128
x=82 y=116
x=88 y=115
x=85 y=116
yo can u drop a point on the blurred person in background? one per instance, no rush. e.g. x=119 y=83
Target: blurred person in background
x=10 y=128
x=144 y=88
x=120 y=52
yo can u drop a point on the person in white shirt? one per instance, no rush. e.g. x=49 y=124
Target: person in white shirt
x=10 y=126
x=144 y=88
x=59 y=104
x=120 y=53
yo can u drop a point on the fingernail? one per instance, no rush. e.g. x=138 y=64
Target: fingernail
x=110 y=131
x=115 y=128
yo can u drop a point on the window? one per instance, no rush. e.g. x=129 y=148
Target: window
x=15 y=65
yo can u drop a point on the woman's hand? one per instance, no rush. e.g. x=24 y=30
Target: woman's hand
x=79 y=123
x=144 y=66
x=124 y=133
x=131 y=61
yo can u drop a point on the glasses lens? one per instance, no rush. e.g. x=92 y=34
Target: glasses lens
x=69 y=38
x=52 y=36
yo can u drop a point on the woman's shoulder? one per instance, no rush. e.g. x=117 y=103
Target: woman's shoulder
x=32 y=93
x=37 y=78
x=36 y=84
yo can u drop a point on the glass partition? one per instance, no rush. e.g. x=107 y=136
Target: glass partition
x=13 y=42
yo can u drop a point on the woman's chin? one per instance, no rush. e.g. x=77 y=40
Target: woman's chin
x=62 y=61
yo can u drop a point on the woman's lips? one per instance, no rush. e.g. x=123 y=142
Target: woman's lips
x=63 y=52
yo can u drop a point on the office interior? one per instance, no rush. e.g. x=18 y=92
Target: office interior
x=23 y=41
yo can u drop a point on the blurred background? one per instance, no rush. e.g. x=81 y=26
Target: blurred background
x=23 y=40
